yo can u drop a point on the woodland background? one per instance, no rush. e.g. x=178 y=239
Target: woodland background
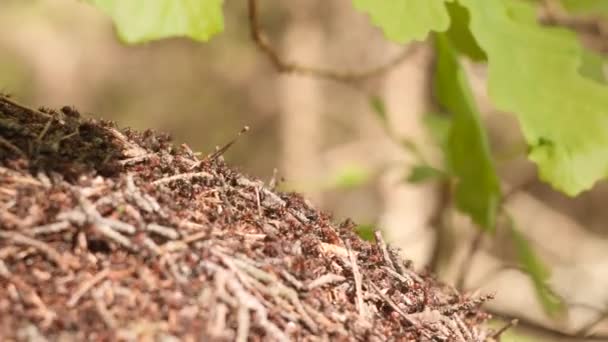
x=322 y=136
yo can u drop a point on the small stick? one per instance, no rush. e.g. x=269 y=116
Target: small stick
x=12 y=147
x=393 y=305
x=380 y=242
x=50 y=252
x=103 y=311
x=403 y=278
x=281 y=65
x=86 y=286
x=244 y=322
x=44 y=130
x=167 y=232
x=257 y=198
x=225 y=148
x=183 y=176
x=358 y=279
x=507 y=326
x=325 y=279
x=49 y=228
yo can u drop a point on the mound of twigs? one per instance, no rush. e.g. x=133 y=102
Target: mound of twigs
x=110 y=234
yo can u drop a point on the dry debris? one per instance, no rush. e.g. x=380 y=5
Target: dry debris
x=109 y=234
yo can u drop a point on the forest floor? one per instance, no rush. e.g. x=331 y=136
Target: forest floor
x=111 y=234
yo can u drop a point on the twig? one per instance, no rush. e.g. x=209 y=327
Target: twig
x=392 y=304
x=45 y=129
x=281 y=65
x=325 y=279
x=183 y=176
x=358 y=280
x=292 y=280
x=398 y=261
x=225 y=148
x=401 y=277
x=50 y=252
x=103 y=311
x=507 y=326
x=6 y=100
x=245 y=298
x=167 y=232
x=86 y=286
x=104 y=225
x=12 y=147
x=465 y=306
x=244 y=321
x=49 y=228
x=275 y=286
x=380 y=242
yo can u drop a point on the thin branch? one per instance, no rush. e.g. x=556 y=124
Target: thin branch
x=13 y=103
x=358 y=280
x=12 y=147
x=343 y=76
x=511 y=323
x=382 y=245
x=50 y=252
x=183 y=176
x=86 y=286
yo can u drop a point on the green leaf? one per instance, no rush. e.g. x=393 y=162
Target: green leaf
x=593 y=66
x=423 y=173
x=140 y=21
x=405 y=20
x=534 y=73
x=460 y=35
x=379 y=108
x=468 y=153
x=365 y=232
x=350 y=177
x=439 y=127
x=599 y=7
x=534 y=267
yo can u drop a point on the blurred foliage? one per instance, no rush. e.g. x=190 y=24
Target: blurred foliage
x=467 y=154
x=365 y=231
x=539 y=273
x=460 y=35
x=349 y=177
x=157 y=19
x=586 y=6
x=422 y=16
x=561 y=113
x=423 y=173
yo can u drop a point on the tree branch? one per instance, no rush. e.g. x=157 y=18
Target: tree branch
x=342 y=76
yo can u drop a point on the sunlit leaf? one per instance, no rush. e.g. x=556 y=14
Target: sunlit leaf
x=350 y=177
x=468 y=153
x=534 y=73
x=365 y=232
x=406 y=20
x=598 y=7
x=140 y=21
x=379 y=108
x=593 y=66
x=438 y=126
x=537 y=271
x=460 y=34
x=423 y=173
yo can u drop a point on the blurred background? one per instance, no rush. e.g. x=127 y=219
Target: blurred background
x=323 y=137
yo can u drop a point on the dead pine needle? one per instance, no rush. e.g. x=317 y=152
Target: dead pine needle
x=225 y=148
x=86 y=286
